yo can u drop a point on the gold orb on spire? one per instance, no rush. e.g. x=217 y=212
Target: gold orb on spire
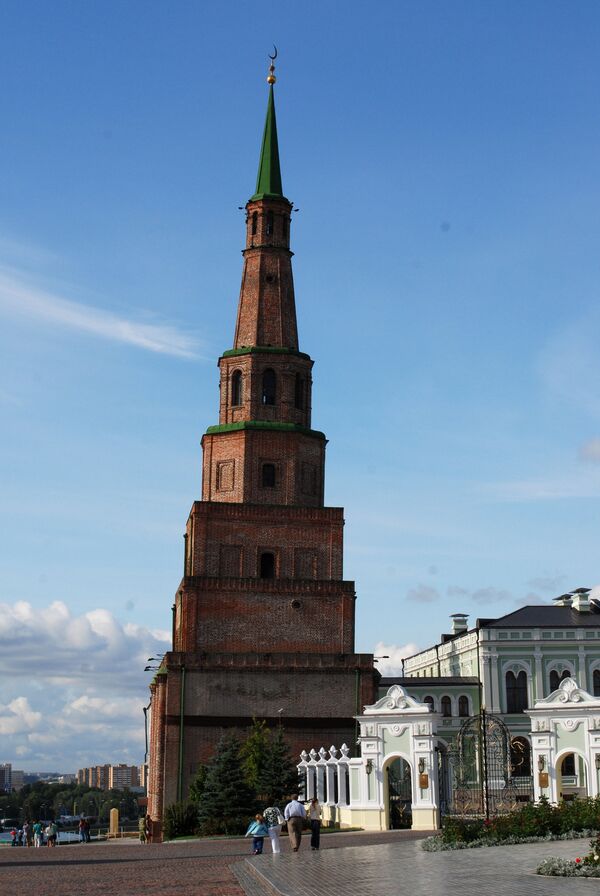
x=271 y=76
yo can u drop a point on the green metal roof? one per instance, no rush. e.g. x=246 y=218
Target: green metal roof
x=268 y=182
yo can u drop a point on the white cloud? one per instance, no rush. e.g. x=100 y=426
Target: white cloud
x=72 y=687
x=395 y=654
x=423 y=594
x=18 y=717
x=590 y=451
x=18 y=297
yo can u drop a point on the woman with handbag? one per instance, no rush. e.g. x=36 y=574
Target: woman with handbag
x=274 y=819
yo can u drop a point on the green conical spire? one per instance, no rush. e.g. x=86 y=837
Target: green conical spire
x=268 y=182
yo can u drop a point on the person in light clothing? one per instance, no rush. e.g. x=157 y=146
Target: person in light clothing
x=315 y=814
x=295 y=813
x=274 y=820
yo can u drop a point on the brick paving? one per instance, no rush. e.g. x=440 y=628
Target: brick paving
x=381 y=864
x=126 y=868
x=402 y=867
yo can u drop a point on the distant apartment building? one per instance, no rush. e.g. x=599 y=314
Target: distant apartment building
x=5 y=777
x=18 y=779
x=109 y=777
x=122 y=776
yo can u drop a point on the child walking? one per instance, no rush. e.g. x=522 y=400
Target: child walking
x=258 y=830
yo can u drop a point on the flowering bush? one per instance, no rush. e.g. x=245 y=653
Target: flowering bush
x=528 y=824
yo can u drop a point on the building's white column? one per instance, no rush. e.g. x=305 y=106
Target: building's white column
x=582 y=681
x=539 y=674
x=342 y=790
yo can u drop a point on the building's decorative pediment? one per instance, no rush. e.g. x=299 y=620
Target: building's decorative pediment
x=396 y=701
x=568 y=692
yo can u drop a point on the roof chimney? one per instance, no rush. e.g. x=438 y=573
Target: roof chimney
x=581 y=600
x=459 y=622
x=563 y=601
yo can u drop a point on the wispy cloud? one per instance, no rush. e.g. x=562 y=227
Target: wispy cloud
x=579 y=484
x=548 y=582
x=590 y=451
x=18 y=297
x=423 y=594
x=569 y=365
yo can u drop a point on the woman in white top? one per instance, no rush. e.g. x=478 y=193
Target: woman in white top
x=274 y=820
x=315 y=813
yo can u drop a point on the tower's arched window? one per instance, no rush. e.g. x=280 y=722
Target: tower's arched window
x=267 y=565
x=446 y=705
x=254 y=223
x=516 y=692
x=429 y=702
x=463 y=707
x=268 y=475
x=236 y=388
x=299 y=392
x=596 y=682
x=555 y=679
x=285 y=228
x=269 y=382
x=269 y=228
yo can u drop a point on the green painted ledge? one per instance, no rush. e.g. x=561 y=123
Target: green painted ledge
x=264 y=425
x=264 y=350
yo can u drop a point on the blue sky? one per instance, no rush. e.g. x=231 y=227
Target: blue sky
x=444 y=158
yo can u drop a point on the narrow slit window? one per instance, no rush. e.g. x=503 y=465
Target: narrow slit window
x=254 y=223
x=269 y=228
x=236 y=388
x=268 y=386
x=267 y=565
x=299 y=392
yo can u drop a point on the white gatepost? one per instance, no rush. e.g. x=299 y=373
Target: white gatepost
x=566 y=722
x=397 y=727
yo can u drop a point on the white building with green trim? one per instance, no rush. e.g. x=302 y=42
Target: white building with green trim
x=537 y=670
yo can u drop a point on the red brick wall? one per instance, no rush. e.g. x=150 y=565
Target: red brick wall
x=286 y=530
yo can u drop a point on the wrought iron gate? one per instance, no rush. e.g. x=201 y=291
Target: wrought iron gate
x=486 y=772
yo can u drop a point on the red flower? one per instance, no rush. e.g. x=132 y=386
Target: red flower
x=578 y=860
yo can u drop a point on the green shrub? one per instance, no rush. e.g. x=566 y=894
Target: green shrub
x=532 y=820
x=181 y=820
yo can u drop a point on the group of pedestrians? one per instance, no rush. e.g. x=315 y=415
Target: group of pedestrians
x=33 y=834
x=295 y=815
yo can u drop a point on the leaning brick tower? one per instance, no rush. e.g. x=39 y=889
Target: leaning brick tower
x=263 y=620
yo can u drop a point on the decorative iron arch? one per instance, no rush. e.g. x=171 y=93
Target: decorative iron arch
x=482 y=767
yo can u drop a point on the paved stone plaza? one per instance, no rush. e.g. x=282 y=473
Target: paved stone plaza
x=383 y=864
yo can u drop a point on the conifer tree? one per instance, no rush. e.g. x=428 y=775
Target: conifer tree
x=226 y=803
x=254 y=753
x=279 y=774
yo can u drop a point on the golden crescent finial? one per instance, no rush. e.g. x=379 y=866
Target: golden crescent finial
x=271 y=76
